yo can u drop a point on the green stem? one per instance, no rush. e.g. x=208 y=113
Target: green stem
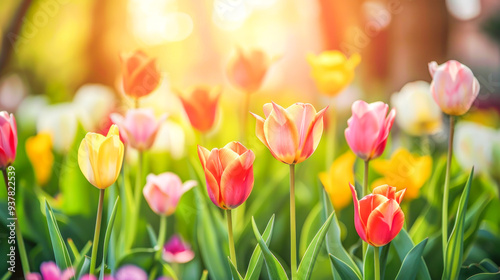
x=293 y=238
x=19 y=236
x=363 y=194
x=376 y=262
x=232 y=251
x=330 y=136
x=447 y=186
x=137 y=200
x=97 y=231
x=160 y=243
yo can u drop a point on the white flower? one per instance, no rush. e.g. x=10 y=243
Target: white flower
x=61 y=122
x=93 y=103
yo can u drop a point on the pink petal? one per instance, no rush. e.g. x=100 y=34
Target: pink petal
x=237 y=180
x=313 y=137
x=281 y=134
x=50 y=271
x=360 y=227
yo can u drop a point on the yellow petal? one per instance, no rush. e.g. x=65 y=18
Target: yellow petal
x=85 y=163
x=109 y=161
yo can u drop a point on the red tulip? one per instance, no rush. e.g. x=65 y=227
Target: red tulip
x=377 y=216
x=292 y=134
x=228 y=174
x=140 y=75
x=368 y=128
x=200 y=105
x=247 y=71
x=8 y=137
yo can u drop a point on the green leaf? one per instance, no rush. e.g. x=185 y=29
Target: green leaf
x=408 y=270
x=275 y=269
x=234 y=271
x=403 y=244
x=152 y=235
x=169 y=270
x=369 y=266
x=485 y=276
x=454 y=250
x=61 y=253
x=256 y=261
x=345 y=271
x=83 y=252
x=383 y=259
x=7 y=275
x=307 y=263
x=309 y=228
x=106 y=238
x=142 y=257
x=83 y=267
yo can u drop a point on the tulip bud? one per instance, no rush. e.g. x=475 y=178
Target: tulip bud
x=177 y=251
x=100 y=157
x=8 y=136
x=453 y=87
x=368 y=128
x=140 y=76
x=228 y=174
x=377 y=216
x=200 y=104
x=248 y=70
x=293 y=134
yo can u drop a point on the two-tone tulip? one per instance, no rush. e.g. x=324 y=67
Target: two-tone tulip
x=100 y=157
x=139 y=127
x=200 y=104
x=377 y=216
x=8 y=137
x=453 y=87
x=163 y=192
x=248 y=70
x=292 y=134
x=368 y=128
x=177 y=251
x=228 y=174
x=140 y=75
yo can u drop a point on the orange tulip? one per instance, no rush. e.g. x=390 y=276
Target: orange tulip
x=292 y=134
x=228 y=174
x=377 y=216
x=248 y=70
x=140 y=75
x=200 y=105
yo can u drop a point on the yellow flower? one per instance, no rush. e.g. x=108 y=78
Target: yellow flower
x=336 y=181
x=39 y=151
x=332 y=71
x=100 y=158
x=404 y=170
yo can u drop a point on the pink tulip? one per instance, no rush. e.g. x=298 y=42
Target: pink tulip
x=131 y=272
x=92 y=277
x=8 y=135
x=163 y=192
x=377 y=216
x=139 y=126
x=228 y=174
x=50 y=271
x=368 y=128
x=453 y=87
x=177 y=251
x=292 y=134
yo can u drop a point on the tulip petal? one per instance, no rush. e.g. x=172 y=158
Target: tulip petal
x=237 y=180
x=213 y=188
x=382 y=140
x=384 y=223
x=312 y=137
x=368 y=203
x=399 y=195
x=86 y=159
x=259 y=131
x=109 y=162
x=281 y=134
x=360 y=227
x=203 y=154
x=214 y=164
x=188 y=185
x=386 y=191
x=237 y=147
x=267 y=108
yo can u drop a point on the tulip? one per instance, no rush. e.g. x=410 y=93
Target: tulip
x=291 y=135
x=131 y=272
x=12 y=92
x=61 y=122
x=332 y=71
x=336 y=179
x=140 y=75
x=404 y=169
x=100 y=157
x=200 y=105
x=8 y=136
x=94 y=103
x=453 y=87
x=163 y=192
x=228 y=174
x=248 y=70
x=377 y=216
x=368 y=128
x=50 y=271
x=30 y=110
x=139 y=127
x=177 y=251
x=39 y=151
x=418 y=114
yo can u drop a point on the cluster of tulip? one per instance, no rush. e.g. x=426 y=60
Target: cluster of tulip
x=290 y=134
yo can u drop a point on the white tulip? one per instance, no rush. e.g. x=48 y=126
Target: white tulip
x=61 y=122
x=94 y=103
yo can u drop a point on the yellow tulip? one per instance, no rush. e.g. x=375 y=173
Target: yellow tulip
x=100 y=157
x=336 y=181
x=404 y=171
x=332 y=71
x=39 y=151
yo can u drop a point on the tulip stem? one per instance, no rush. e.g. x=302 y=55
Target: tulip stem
x=330 y=136
x=160 y=243
x=293 y=238
x=137 y=200
x=365 y=192
x=376 y=262
x=232 y=252
x=19 y=236
x=97 y=231
x=447 y=186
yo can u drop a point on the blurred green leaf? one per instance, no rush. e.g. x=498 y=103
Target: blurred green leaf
x=169 y=270
x=234 y=271
x=78 y=262
x=61 y=253
x=454 y=250
x=256 y=261
x=106 y=238
x=83 y=267
x=345 y=271
x=309 y=228
x=142 y=257
x=485 y=267
x=409 y=269
x=403 y=244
